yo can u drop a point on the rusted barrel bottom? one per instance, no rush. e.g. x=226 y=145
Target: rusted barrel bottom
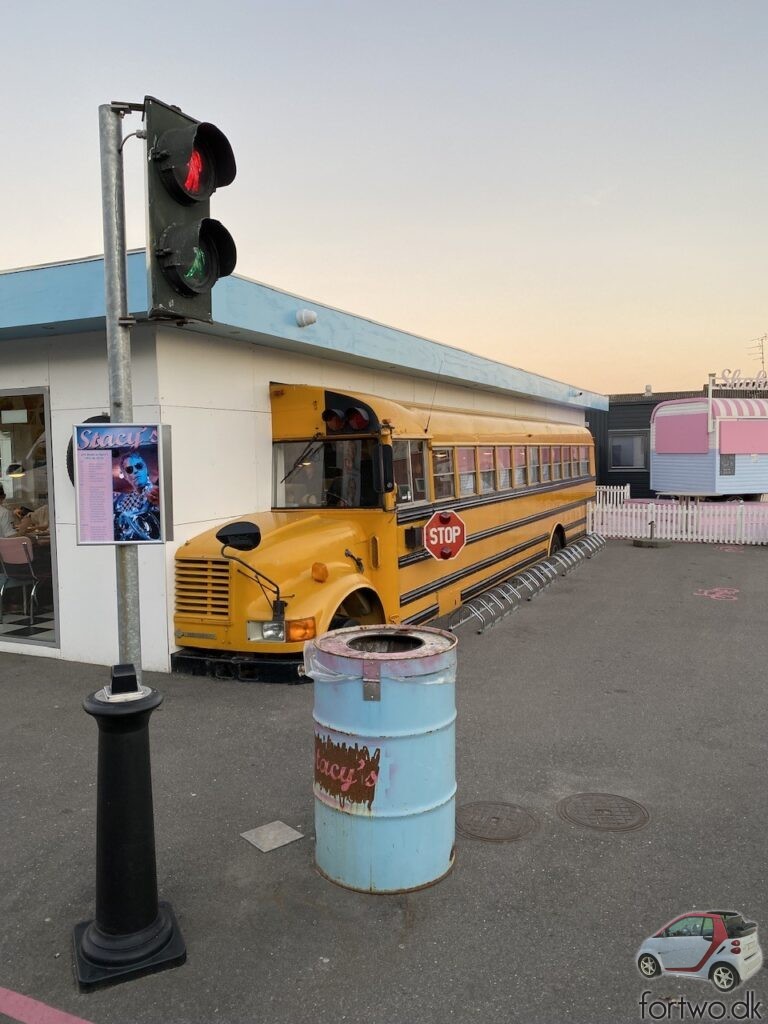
x=396 y=853
x=390 y=892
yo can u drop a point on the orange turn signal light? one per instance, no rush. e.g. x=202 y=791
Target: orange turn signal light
x=300 y=629
x=319 y=572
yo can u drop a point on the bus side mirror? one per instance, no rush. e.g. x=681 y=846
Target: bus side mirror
x=241 y=536
x=384 y=470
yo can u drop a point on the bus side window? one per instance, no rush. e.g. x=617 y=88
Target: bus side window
x=401 y=468
x=418 y=475
x=555 y=463
x=445 y=479
x=466 y=460
x=533 y=464
x=503 y=468
x=408 y=457
x=485 y=460
x=545 y=464
x=520 y=473
x=583 y=460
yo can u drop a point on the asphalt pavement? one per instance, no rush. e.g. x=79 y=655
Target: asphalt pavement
x=642 y=675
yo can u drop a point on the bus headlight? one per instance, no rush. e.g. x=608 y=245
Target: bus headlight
x=280 y=630
x=273 y=630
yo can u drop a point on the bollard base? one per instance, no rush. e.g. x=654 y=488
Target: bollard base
x=122 y=957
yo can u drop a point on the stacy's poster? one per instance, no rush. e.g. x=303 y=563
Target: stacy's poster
x=122 y=483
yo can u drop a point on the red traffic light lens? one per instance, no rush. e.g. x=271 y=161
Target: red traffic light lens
x=196 y=177
x=197 y=181
x=194 y=161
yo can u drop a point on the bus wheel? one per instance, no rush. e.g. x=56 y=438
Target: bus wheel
x=558 y=541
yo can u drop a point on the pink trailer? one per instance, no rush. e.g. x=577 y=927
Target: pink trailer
x=710 y=447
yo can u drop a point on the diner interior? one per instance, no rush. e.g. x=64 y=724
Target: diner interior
x=27 y=605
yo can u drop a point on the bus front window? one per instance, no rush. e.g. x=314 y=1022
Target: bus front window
x=326 y=474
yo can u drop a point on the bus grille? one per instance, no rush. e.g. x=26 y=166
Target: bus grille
x=202 y=587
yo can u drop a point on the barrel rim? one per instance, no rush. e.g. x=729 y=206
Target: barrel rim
x=435 y=642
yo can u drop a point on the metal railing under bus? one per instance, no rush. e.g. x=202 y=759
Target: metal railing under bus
x=492 y=605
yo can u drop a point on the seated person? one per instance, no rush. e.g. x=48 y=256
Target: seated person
x=7 y=524
x=32 y=522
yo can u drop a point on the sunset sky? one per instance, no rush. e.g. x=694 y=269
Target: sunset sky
x=574 y=188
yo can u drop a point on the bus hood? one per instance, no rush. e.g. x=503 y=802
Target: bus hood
x=290 y=544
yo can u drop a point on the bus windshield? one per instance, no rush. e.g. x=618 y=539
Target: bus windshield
x=327 y=474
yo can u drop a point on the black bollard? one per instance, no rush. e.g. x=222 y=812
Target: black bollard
x=132 y=932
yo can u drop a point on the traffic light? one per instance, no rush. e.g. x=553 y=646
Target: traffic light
x=187 y=251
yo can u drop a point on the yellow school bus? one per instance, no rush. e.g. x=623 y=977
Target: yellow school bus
x=360 y=486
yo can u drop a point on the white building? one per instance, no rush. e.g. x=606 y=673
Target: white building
x=210 y=383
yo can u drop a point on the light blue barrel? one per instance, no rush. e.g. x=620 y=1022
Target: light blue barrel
x=385 y=755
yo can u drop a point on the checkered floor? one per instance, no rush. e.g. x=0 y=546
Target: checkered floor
x=15 y=626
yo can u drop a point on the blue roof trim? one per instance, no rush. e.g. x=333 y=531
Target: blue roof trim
x=65 y=292
x=67 y=297
x=247 y=305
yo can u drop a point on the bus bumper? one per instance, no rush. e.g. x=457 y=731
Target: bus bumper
x=195 y=661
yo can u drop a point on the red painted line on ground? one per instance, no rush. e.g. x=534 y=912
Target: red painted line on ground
x=719 y=593
x=30 y=1011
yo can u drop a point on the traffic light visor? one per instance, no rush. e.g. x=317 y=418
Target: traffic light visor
x=194 y=161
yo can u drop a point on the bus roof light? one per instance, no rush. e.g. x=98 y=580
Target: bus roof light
x=358 y=419
x=333 y=419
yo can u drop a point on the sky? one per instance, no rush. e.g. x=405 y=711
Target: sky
x=573 y=188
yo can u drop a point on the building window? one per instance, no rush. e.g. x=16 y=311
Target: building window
x=628 y=450
x=27 y=533
x=727 y=465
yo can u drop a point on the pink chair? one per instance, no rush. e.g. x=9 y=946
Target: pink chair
x=18 y=573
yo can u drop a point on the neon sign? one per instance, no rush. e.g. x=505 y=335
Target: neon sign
x=734 y=379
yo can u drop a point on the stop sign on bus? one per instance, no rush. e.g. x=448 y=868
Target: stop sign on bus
x=445 y=534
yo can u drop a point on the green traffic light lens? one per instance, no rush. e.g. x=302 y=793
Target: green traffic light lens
x=194 y=256
x=199 y=274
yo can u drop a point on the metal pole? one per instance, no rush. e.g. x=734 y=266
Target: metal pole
x=709 y=403
x=119 y=360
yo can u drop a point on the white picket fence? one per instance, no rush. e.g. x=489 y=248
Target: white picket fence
x=709 y=522
x=613 y=497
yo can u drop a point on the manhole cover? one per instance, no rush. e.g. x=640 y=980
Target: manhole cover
x=496 y=822
x=604 y=811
